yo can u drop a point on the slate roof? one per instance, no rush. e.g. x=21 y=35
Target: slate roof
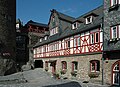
x=96 y=12
x=83 y=27
x=37 y=24
x=65 y=17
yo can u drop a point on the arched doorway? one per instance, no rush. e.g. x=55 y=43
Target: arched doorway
x=38 y=64
x=116 y=73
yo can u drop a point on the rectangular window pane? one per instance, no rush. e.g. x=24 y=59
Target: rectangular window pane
x=74 y=42
x=96 y=37
x=114 y=30
x=92 y=38
x=78 y=41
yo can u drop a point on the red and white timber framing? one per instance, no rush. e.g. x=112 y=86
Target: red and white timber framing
x=36 y=29
x=87 y=42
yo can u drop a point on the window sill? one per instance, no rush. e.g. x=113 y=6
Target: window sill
x=114 y=7
x=74 y=73
x=113 y=40
x=63 y=71
x=93 y=74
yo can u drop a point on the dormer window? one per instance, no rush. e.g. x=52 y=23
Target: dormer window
x=40 y=40
x=74 y=25
x=46 y=37
x=17 y=26
x=89 y=19
x=114 y=2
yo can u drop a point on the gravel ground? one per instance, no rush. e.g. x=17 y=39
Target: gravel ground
x=39 y=78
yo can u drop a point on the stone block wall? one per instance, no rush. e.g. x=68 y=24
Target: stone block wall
x=83 y=66
x=111 y=18
x=7 y=36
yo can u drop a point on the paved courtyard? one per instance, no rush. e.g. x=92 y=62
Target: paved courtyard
x=40 y=78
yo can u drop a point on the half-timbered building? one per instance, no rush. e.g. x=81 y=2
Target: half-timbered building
x=74 y=46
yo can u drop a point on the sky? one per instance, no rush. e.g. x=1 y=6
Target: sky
x=39 y=10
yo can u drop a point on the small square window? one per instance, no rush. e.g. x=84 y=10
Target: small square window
x=89 y=19
x=94 y=65
x=74 y=25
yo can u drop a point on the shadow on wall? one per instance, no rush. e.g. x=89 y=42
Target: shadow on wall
x=69 y=84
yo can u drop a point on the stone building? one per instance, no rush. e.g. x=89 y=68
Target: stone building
x=112 y=41
x=74 y=46
x=35 y=32
x=21 y=44
x=7 y=36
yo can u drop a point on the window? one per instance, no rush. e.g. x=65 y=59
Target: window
x=94 y=65
x=46 y=37
x=115 y=32
x=67 y=44
x=89 y=19
x=94 y=37
x=64 y=65
x=74 y=25
x=54 y=31
x=35 y=51
x=53 y=21
x=18 y=38
x=77 y=41
x=114 y=2
x=17 y=26
x=40 y=40
x=74 y=66
x=44 y=48
x=116 y=73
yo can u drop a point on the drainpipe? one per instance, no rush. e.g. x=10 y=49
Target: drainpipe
x=102 y=26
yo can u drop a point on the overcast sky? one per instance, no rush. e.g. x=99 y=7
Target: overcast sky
x=39 y=10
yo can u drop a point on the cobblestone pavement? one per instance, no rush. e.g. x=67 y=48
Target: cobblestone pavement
x=39 y=78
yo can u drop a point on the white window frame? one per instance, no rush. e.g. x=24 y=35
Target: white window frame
x=75 y=65
x=75 y=25
x=17 y=26
x=53 y=31
x=96 y=65
x=114 y=2
x=96 y=38
x=89 y=19
x=45 y=37
x=92 y=38
x=113 y=33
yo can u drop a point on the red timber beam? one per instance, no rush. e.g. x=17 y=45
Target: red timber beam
x=63 y=47
x=36 y=29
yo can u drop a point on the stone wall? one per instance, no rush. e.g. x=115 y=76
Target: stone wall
x=111 y=18
x=7 y=36
x=83 y=66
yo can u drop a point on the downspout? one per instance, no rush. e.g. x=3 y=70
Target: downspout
x=102 y=26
